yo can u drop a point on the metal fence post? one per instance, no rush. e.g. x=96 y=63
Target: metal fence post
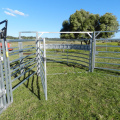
x=90 y=56
x=7 y=72
x=2 y=85
x=38 y=54
x=45 y=68
x=67 y=51
x=20 y=45
x=94 y=51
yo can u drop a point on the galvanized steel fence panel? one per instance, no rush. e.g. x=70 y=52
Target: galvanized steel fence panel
x=41 y=63
x=107 y=56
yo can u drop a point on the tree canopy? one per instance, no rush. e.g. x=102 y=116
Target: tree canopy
x=85 y=21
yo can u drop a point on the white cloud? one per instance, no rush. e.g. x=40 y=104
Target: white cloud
x=8 y=13
x=16 y=12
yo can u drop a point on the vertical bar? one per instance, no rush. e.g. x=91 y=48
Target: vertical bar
x=2 y=86
x=38 y=54
x=45 y=69
x=6 y=70
x=21 y=55
x=20 y=45
x=94 y=51
x=90 y=56
x=9 y=73
x=67 y=51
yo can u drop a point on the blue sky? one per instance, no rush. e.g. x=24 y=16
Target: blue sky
x=48 y=15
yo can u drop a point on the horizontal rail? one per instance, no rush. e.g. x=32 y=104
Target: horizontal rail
x=23 y=81
x=23 y=65
x=21 y=50
x=78 y=53
x=20 y=70
x=19 y=40
x=18 y=52
x=22 y=58
x=56 y=55
x=107 y=69
x=78 y=57
x=68 y=56
x=66 y=32
x=107 y=57
x=60 y=39
x=107 y=52
x=28 y=45
x=13 y=47
x=67 y=46
x=55 y=58
x=23 y=73
x=106 y=46
x=33 y=59
x=79 y=60
x=107 y=63
x=67 y=52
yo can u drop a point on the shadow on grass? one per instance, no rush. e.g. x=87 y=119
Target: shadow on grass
x=31 y=82
x=72 y=64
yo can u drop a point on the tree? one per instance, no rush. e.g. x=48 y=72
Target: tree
x=85 y=21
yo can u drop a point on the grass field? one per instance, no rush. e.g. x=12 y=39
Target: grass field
x=75 y=94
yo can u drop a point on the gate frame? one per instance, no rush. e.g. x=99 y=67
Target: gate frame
x=96 y=33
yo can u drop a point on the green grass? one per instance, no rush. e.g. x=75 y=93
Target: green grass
x=77 y=95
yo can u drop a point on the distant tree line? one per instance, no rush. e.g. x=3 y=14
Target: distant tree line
x=23 y=37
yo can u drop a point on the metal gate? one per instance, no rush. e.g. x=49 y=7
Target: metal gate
x=24 y=66
x=106 y=54
x=41 y=63
x=6 y=97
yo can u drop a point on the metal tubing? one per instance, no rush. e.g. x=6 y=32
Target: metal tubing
x=6 y=71
x=108 y=63
x=22 y=58
x=23 y=81
x=18 y=52
x=45 y=69
x=23 y=73
x=24 y=62
x=19 y=40
x=106 y=52
x=20 y=48
x=107 y=69
x=19 y=70
x=23 y=65
x=107 y=57
x=94 y=51
x=9 y=73
x=106 y=46
x=90 y=56
x=2 y=85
